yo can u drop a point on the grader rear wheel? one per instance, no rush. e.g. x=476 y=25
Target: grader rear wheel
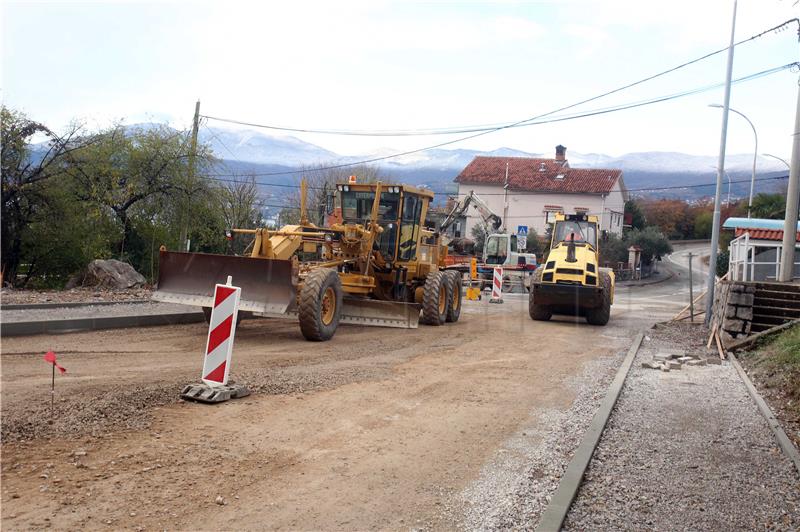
x=435 y=299
x=320 y=305
x=454 y=309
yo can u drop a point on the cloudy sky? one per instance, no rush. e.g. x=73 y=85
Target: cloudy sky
x=408 y=65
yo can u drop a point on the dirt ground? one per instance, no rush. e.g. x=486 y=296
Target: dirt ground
x=374 y=429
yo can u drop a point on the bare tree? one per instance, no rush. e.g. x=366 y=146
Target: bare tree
x=238 y=204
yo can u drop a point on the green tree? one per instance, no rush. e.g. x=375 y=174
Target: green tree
x=638 y=220
x=652 y=241
x=613 y=250
x=128 y=170
x=771 y=206
x=27 y=173
x=703 y=222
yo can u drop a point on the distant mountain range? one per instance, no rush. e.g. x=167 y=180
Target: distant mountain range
x=248 y=151
x=652 y=174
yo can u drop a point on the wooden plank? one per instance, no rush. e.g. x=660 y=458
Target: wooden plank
x=720 y=350
x=738 y=344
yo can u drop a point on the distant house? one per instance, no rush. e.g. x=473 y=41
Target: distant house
x=756 y=250
x=539 y=188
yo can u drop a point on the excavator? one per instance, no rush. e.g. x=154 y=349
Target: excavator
x=378 y=266
x=500 y=248
x=571 y=280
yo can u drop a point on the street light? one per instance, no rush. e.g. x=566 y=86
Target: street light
x=755 y=156
x=776 y=157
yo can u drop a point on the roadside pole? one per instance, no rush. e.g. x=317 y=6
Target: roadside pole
x=192 y=155
x=691 y=289
x=792 y=198
x=715 y=227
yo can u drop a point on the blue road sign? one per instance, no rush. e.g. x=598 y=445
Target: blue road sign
x=522 y=229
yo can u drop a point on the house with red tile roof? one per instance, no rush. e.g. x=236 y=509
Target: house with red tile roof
x=538 y=188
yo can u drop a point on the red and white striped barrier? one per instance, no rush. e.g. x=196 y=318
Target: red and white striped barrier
x=497 y=286
x=222 y=326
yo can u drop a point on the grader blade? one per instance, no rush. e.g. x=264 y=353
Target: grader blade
x=189 y=279
x=362 y=311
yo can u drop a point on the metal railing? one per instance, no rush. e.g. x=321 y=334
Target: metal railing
x=743 y=264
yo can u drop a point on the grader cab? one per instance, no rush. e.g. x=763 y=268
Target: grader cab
x=571 y=281
x=379 y=265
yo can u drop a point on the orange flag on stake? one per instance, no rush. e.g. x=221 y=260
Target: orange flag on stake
x=51 y=358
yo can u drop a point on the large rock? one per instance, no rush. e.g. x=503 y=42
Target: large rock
x=112 y=274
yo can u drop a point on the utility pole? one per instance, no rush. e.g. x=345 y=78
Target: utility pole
x=191 y=172
x=691 y=289
x=792 y=197
x=712 y=264
x=505 y=201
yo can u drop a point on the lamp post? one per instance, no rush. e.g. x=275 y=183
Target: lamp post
x=755 y=156
x=776 y=157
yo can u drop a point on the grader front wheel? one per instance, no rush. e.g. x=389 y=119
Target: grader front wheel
x=435 y=299
x=320 y=305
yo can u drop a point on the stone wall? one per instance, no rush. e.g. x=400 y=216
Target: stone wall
x=733 y=309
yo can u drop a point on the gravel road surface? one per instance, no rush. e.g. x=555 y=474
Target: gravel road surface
x=686 y=450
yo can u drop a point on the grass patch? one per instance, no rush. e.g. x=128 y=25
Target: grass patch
x=774 y=367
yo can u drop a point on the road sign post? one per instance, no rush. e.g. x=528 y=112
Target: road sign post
x=219 y=349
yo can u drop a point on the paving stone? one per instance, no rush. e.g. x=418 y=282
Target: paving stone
x=662 y=356
x=664 y=367
x=714 y=360
x=684 y=360
x=651 y=365
x=673 y=364
x=697 y=362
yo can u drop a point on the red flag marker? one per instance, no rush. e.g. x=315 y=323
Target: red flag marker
x=51 y=357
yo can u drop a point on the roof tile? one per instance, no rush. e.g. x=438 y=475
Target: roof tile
x=538 y=175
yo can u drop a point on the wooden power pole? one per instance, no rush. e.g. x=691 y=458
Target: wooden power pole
x=191 y=172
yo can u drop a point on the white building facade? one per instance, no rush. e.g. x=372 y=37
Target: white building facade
x=539 y=188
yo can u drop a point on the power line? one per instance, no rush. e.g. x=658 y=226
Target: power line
x=488 y=128
x=530 y=122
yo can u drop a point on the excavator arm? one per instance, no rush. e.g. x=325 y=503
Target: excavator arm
x=490 y=219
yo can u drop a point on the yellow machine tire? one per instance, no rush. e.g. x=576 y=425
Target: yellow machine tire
x=321 y=289
x=454 y=307
x=601 y=314
x=436 y=288
x=537 y=312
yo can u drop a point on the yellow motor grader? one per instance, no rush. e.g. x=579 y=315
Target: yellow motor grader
x=378 y=265
x=571 y=281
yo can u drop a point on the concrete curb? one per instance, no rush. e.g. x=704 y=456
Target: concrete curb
x=639 y=283
x=32 y=306
x=784 y=442
x=26 y=328
x=556 y=511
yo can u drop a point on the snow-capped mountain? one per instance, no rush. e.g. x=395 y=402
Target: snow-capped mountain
x=255 y=147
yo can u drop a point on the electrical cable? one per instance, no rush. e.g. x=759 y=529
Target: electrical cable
x=596 y=112
x=487 y=128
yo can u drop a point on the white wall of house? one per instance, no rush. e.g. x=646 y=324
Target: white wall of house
x=532 y=209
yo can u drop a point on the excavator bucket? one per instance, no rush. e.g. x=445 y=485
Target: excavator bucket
x=189 y=279
x=373 y=312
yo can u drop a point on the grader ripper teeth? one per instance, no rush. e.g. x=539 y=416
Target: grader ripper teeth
x=377 y=264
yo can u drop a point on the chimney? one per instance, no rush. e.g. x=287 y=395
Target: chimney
x=561 y=153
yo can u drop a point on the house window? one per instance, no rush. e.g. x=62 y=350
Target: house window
x=550 y=212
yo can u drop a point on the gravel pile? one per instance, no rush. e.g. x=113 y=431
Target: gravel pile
x=99 y=410
x=515 y=486
x=686 y=450
x=94 y=311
